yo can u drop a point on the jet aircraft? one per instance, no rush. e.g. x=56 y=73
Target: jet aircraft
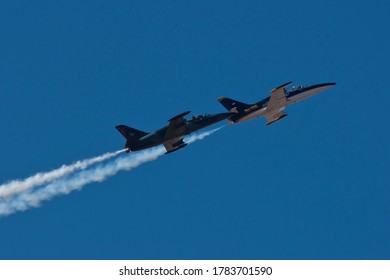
x=170 y=136
x=272 y=107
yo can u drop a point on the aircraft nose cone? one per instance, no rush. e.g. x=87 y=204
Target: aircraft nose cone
x=327 y=85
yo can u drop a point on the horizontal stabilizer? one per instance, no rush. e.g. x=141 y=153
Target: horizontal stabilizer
x=232 y=105
x=129 y=132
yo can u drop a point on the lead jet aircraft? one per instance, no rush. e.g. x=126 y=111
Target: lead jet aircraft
x=272 y=107
x=170 y=136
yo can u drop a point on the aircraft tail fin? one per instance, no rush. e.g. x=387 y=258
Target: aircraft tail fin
x=130 y=133
x=233 y=106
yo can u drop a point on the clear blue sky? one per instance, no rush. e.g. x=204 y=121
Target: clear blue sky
x=313 y=186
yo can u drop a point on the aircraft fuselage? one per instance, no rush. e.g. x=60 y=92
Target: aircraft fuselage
x=159 y=137
x=296 y=94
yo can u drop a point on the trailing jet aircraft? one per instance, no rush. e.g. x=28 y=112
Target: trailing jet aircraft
x=272 y=108
x=170 y=136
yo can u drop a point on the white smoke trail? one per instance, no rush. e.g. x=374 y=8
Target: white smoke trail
x=68 y=184
x=77 y=181
x=192 y=138
x=19 y=186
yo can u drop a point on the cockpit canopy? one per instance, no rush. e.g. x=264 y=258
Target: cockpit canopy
x=297 y=87
x=200 y=117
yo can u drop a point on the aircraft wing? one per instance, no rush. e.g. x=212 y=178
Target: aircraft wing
x=176 y=126
x=276 y=104
x=277 y=115
x=278 y=99
x=174 y=144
